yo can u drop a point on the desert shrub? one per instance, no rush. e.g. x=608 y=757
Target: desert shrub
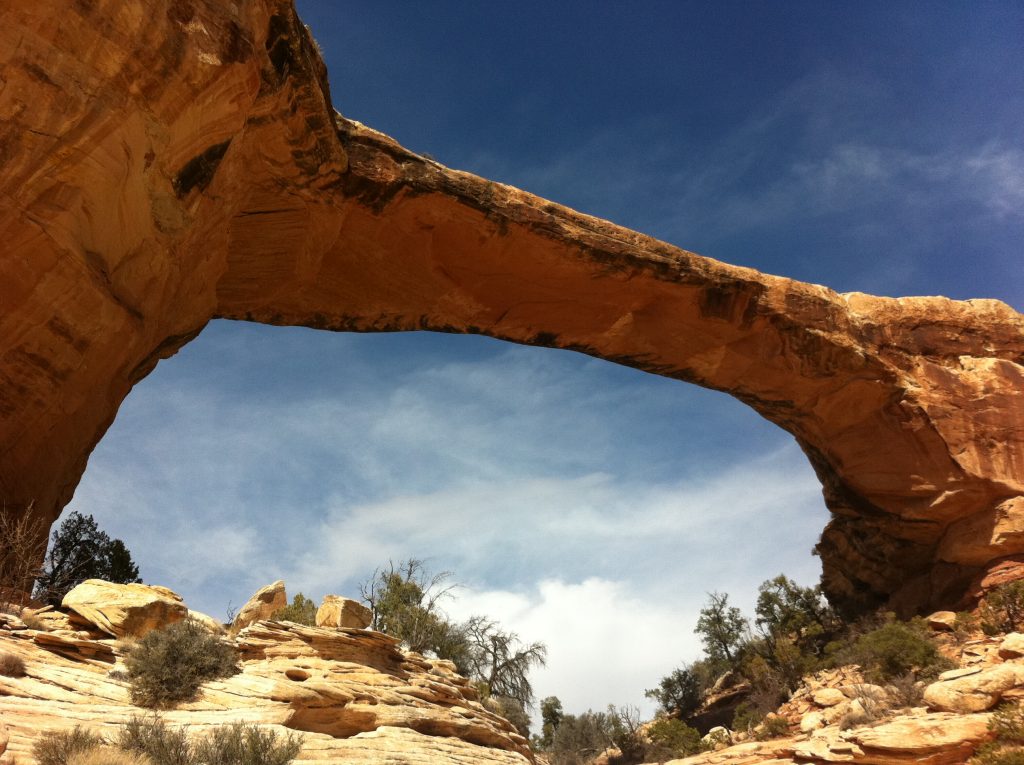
x=246 y=744
x=671 y=738
x=1003 y=609
x=1007 y=724
x=965 y=626
x=57 y=747
x=746 y=718
x=892 y=650
x=905 y=691
x=1007 y=728
x=301 y=610
x=580 y=738
x=870 y=703
x=511 y=710
x=107 y=755
x=168 y=665
x=151 y=737
x=11 y=665
x=994 y=754
x=773 y=726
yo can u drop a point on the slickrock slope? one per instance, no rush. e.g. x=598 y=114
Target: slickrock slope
x=355 y=696
x=163 y=164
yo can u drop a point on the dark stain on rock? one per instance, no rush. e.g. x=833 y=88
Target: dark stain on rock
x=65 y=332
x=198 y=172
x=236 y=46
x=279 y=46
x=181 y=11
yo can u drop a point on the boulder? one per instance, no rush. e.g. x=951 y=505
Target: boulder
x=339 y=612
x=973 y=690
x=264 y=603
x=124 y=610
x=1012 y=646
x=214 y=626
x=942 y=621
x=811 y=722
x=828 y=697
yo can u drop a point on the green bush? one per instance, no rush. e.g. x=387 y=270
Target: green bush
x=1003 y=609
x=893 y=650
x=56 y=747
x=246 y=744
x=168 y=665
x=671 y=738
x=1007 y=724
x=1007 y=728
x=301 y=610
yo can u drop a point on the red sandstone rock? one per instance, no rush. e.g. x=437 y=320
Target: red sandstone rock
x=163 y=165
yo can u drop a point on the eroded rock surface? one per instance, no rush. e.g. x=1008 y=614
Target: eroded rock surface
x=353 y=694
x=164 y=165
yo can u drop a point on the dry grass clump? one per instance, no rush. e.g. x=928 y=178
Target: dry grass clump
x=58 y=747
x=107 y=755
x=11 y=665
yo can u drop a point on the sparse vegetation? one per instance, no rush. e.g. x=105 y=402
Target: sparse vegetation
x=168 y=665
x=301 y=610
x=246 y=744
x=150 y=741
x=670 y=739
x=1003 y=609
x=893 y=650
x=57 y=747
x=1007 y=746
x=405 y=598
x=107 y=755
x=11 y=665
x=22 y=546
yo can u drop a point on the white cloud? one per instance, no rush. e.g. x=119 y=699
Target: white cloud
x=606 y=642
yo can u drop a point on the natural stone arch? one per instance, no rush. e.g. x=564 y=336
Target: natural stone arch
x=170 y=164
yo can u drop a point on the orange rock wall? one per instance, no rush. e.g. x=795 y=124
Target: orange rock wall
x=164 y=164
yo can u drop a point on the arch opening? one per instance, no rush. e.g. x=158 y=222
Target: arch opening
x=575 y=499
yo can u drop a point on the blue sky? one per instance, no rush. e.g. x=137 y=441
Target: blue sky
x=866 y=146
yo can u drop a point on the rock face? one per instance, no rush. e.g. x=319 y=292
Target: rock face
x=167 y=164
x=125 y=609
x=354 y=696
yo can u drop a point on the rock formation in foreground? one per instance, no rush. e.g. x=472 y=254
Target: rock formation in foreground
x=355 y=696
x=164 y=164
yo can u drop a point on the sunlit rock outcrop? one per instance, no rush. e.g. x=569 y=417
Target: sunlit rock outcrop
x=164 y=164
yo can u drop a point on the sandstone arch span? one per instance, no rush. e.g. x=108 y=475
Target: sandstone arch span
x=168 y=163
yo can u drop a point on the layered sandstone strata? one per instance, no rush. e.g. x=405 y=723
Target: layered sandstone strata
x=164 y=164
x=353 y=695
